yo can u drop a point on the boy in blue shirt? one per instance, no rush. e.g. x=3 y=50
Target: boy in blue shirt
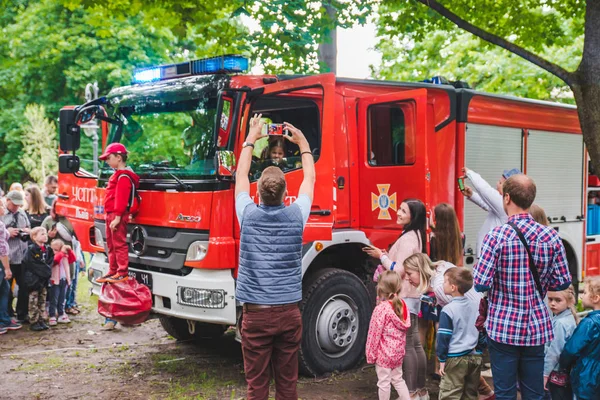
x=458 y=339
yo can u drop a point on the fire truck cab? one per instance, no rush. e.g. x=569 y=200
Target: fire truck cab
x=375 y=143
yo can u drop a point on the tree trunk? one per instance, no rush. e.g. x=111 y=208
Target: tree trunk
x=586 y=89
x=328 y=45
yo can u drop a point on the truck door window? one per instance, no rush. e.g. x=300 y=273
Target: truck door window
x=302 y=112
x=392 y=136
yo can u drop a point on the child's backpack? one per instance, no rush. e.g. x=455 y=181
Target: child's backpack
x=133 y=204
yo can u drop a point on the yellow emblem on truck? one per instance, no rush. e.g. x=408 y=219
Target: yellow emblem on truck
x=384 y=202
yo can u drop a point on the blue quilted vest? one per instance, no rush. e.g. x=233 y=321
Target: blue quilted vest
x=270 y=268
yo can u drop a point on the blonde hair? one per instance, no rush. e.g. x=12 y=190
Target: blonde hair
x=57 y=241
x=421 y=263
x=389 y=287
x=592 y=285
x=36 y=231
x=569 y=296
x=539 y=215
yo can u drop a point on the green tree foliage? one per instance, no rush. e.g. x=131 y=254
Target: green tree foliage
x=458 y=55
x=52 y=49
x=39 y=143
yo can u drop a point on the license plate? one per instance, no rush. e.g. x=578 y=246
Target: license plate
x=142 y=277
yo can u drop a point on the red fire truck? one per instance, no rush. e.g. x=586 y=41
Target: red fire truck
x=375 y=143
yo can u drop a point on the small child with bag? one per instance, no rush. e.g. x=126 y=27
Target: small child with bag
x=564 y=322
x=59 y=281
x=37 y=268
x=582 y=351
x=386 y=341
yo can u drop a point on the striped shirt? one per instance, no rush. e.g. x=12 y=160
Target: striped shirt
x=4 y=235
x=517 y=314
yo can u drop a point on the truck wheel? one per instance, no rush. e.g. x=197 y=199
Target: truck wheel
x=179 y=329
x=336 y=310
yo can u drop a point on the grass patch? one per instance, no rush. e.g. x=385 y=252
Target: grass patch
x=47 y=364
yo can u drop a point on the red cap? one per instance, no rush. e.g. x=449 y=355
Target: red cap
x=113 y=148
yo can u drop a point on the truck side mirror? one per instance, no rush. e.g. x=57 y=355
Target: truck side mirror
x=70 y=133
x=225 y=164
x=68 y=164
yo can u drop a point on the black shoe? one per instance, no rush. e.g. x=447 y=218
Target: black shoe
x=43 y=324
x=36 y=327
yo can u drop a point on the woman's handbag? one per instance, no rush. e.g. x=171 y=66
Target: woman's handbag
x=559 y=378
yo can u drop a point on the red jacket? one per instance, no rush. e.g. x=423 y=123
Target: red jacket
x=118 y=191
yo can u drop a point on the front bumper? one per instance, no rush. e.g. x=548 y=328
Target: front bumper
x=165 y=295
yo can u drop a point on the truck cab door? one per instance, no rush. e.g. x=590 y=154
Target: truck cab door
x=393 y=164
x=77 y=193
x=307 y=103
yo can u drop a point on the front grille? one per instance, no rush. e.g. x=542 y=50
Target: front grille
x=183 y=271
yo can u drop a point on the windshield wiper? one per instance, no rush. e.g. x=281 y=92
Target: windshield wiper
x=181 y=186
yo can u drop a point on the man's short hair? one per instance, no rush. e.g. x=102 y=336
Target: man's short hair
x=521 y=190
x=461 y=277
x=51 y=179
x=271 y=186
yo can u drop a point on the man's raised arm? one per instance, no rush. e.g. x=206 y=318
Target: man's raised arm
x=308 y=163
x=242 y=183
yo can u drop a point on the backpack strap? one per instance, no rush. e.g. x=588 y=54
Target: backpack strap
x=531 y=263
x=132 y=194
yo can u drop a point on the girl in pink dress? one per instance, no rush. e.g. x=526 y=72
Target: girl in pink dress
x=386 y=342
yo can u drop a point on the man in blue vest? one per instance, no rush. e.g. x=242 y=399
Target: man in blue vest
x=269 y=283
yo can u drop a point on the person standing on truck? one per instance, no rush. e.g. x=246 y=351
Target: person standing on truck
x=520 y=262
x=488 y=199
x=119 y=200
x=269 y=283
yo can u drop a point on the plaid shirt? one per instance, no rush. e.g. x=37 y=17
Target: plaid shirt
x=517 y=314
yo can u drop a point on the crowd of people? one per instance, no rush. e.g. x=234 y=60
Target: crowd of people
x=517 y=303
x=41 y=259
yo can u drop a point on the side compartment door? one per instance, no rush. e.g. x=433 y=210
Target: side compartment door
x=489 y=151
x=393 y=165
x=307 y=103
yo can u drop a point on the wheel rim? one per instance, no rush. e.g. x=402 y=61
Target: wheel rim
x=337 y=326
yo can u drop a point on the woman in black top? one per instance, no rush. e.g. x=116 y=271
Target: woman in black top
x=36 y=210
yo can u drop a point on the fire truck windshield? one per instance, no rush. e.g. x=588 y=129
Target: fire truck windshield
x=168 y=131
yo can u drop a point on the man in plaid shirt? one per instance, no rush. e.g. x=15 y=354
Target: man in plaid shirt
x=518 y=321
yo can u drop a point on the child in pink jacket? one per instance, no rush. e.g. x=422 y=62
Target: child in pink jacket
x=386 y=341
x=59 y=281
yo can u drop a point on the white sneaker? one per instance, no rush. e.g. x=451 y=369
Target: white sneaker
x=63 y=319
x=52 y=321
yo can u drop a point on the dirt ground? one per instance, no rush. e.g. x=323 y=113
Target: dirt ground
x=81 y=361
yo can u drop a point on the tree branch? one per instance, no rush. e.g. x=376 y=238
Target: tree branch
x=554 y=69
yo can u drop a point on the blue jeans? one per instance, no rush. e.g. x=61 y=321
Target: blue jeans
x=4 y=291
x=72 y=289
x=517 y=363
x=57 y=300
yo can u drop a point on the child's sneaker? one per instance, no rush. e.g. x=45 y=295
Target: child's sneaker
x=109 y=326
x=36 y=327
x=63 y=319
x=3 y=331
x=13 y=326
x=43 y=324
x=117 y=278
x=104 y=278
x=52 y=321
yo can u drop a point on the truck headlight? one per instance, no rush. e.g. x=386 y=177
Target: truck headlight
x=197 y=251
x=204 y=298
x=98 y=237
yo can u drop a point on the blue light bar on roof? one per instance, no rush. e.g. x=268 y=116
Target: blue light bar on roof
x=222 y=64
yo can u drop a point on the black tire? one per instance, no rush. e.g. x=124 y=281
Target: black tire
x=323 y=300
x=179 y=329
